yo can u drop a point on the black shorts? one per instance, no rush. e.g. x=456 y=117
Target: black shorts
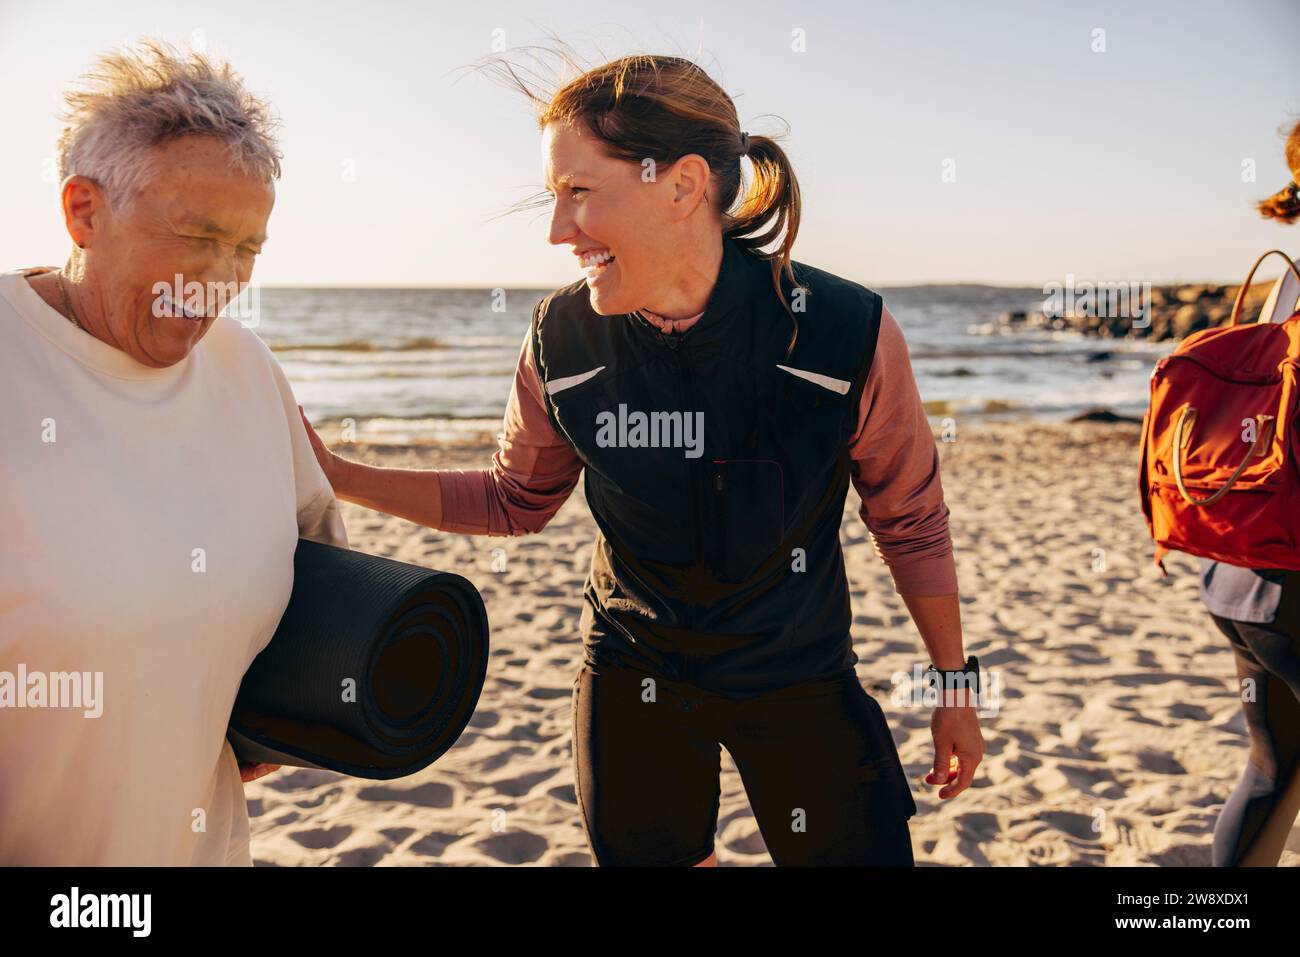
x=817 y=761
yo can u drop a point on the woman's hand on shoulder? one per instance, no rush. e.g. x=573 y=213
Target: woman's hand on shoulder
x=329 y=462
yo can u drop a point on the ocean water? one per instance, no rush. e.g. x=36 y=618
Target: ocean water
x=436 y=365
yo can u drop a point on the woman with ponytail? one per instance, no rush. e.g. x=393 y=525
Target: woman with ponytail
x=721 y=399
x=1284 y=205
x=1258 y=610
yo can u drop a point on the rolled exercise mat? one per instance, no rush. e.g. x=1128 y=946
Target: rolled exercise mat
x=414 y=642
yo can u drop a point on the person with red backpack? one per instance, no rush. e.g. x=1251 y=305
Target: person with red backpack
x=1258 y=610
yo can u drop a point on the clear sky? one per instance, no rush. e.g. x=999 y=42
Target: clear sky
x=1125 y=164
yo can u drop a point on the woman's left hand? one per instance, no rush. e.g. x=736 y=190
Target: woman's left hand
x=958 y=749
x=251 y=772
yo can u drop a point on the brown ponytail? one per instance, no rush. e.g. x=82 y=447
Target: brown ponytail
x=1284 y=205
x=663 y=108
x=773 y=199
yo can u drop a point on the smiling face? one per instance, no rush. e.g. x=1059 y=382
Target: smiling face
x=605 y=210
x=197 y=218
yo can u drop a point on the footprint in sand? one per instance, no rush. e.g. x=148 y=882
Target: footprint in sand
x=1130 y=837
x=1159 y=762
x=367 y=856
x=317 y=800
x=432 y=794
x=744 y=838
x=549 y=694
x=521 y=784
x=978 y=826
x=1072 y=823
x=432 y=845
x=1185 y=710
x=529 y=731
x=322 y=838
x=565 y=793
x=1022 y=764
x=514 y=847
x=1048 y=855
x=570 y=859
x=1098 y=781
x=494 y=762
x=1185 y=855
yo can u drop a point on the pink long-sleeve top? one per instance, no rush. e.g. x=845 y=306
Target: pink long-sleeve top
x=895 y=468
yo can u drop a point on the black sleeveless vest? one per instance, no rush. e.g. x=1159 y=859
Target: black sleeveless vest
x=716 y=470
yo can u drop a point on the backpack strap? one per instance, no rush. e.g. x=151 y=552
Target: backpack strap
x=1241 y=293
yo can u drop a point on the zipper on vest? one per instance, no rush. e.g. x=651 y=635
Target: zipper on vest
x=693 y=472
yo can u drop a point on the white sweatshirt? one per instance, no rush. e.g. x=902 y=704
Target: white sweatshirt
x=148 y=519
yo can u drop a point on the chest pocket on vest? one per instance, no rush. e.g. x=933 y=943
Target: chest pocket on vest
x=811 y=425
x=744 y=512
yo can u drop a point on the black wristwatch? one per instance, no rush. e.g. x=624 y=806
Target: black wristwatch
x=972 y=670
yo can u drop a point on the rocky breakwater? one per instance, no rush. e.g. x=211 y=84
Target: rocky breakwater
x=1140 y=311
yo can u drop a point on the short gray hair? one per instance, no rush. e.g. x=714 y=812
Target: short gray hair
x=136 y=98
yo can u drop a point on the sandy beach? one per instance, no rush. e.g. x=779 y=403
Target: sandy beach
x=1118 y=737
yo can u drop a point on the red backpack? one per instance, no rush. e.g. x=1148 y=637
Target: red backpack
x=1219 y=476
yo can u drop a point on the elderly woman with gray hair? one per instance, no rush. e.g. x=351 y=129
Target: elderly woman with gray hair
x=156 y=479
